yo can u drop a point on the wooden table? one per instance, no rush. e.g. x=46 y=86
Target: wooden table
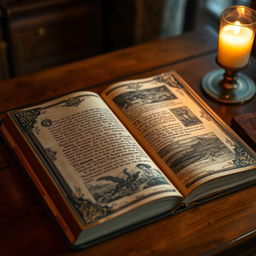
x=226 y=225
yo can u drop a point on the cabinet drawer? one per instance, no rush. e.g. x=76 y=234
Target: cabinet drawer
x=55 y=36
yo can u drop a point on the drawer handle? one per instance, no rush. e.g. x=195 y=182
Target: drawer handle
x=41 y=31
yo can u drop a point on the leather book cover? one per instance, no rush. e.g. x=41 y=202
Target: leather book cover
x=245 y=127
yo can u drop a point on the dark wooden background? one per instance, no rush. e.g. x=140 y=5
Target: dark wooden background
x=38 y=34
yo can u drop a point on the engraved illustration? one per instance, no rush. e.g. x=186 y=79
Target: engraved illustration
x=89 y=210
x=110 y=188
x=242 y=158
x=199 y=151
x=185 y=115
x=141 y=97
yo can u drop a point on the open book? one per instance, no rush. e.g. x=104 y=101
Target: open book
x=143 y=149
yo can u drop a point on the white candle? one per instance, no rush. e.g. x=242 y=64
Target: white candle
x=234 y=46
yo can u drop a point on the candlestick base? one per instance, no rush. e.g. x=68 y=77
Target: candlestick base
x=240 y=90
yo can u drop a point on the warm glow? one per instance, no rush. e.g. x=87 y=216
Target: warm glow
x=241 y=10
x=236 y=28
x=235 y=44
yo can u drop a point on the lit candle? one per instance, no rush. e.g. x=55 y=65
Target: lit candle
x=235 y=44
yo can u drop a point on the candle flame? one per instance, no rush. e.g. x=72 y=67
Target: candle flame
x=236 y=28
x=242 y=10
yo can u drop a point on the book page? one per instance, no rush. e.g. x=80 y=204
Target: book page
x=182 y=134
x=98 y=163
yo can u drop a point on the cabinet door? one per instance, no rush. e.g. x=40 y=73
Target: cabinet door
x=45 y=37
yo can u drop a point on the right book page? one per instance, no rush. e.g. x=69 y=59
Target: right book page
x=182 y=134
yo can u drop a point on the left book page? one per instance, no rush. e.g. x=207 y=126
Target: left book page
x=97 y=165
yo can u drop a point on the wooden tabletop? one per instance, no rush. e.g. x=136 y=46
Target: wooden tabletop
x=225 y=226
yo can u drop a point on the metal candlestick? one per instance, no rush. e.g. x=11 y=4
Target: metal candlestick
x=228 y=86
x=236 y=35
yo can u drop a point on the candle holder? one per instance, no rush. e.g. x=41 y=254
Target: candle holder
x=236 y=35
x=228 y=86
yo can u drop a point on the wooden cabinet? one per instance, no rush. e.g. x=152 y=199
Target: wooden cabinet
x=42 y=34
x=4 y=74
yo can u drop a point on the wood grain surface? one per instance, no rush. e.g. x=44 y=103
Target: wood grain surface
x=224 y=226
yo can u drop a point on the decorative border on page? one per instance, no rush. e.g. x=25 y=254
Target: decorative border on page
x=125 y=183
x=136 y=94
